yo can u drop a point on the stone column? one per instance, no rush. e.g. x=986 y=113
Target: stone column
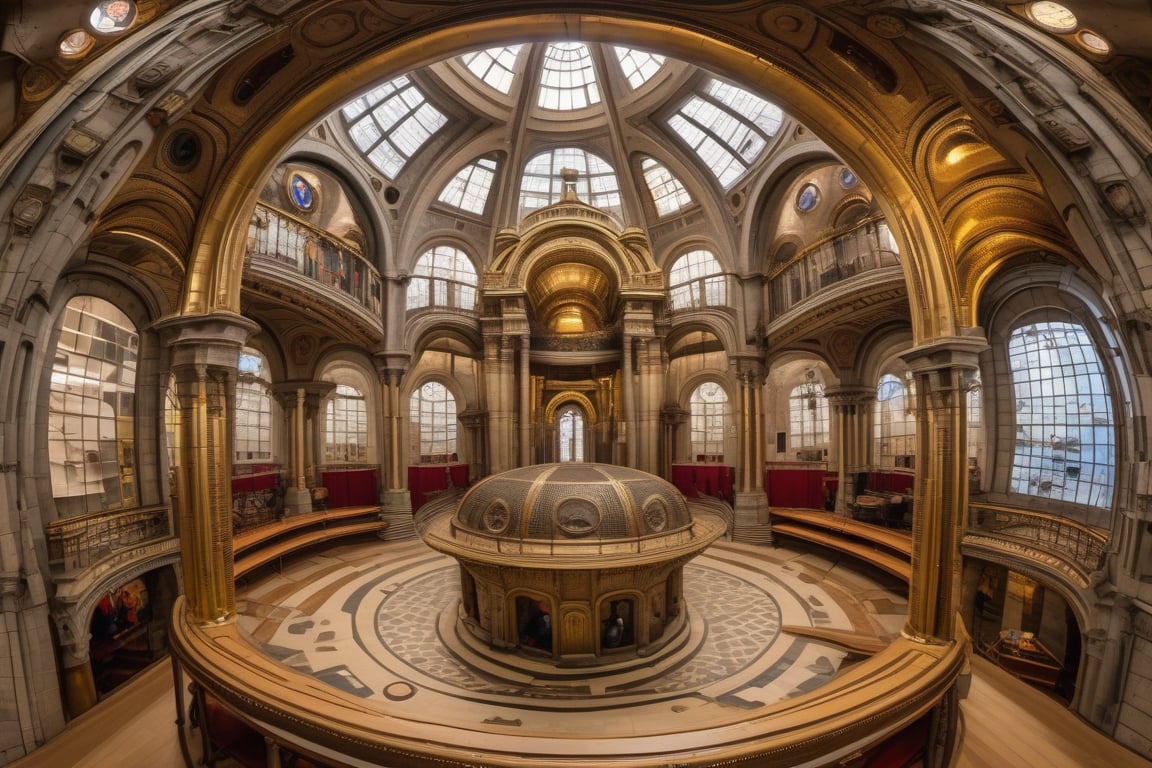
x=395 y=499
x=301 y=401
x=850 y=413
x=525 y=385
x=205 y=352
x=651 y=381
x=750 y=503
x=941 y=369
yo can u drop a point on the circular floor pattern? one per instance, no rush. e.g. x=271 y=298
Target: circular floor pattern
x=376 y=621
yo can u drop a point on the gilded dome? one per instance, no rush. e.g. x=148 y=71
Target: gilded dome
x=573 y=501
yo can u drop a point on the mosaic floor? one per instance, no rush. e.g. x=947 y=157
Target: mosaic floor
x=378 y=620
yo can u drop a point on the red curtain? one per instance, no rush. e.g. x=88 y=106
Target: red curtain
x=427 y=479
x=694 y=480
x=351 y=487
x=800 y=486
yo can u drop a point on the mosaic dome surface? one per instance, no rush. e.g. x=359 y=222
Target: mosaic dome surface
x=573 y=502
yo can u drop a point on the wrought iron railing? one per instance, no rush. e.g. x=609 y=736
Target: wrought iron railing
x=280 y=237
x=75 y=543
x=1085 y=547
x=867 y=246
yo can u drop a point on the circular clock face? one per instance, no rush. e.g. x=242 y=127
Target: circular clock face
x=1053 y=16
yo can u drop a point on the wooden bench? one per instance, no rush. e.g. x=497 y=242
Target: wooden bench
x=261 y=545
x=885 y=548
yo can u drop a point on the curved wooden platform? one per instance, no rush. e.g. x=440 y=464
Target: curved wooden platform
x=887 y=549
x=261 y=545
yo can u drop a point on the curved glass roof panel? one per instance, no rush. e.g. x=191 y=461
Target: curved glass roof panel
x=567 y=78
x=596 y=182
x=391 y=122
x=728 y=127
x=495 y=67
x=638 y=66
x=469 y=188
x=668 y=194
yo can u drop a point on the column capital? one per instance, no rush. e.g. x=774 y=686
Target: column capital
x=314 y=392
x=213 y=339
x=947 y=353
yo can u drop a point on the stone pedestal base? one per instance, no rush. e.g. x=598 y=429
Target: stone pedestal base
x=396 y=508
x=297 y=501
x=752 y=525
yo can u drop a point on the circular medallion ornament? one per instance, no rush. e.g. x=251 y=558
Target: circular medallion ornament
x=847 y=178
x=656 y=515
x=577 y=517
x=808 y=198
x=112 y=17
x=301 y=192
x=183 y=149
x=1052 y=16
x=496 y=517
x=1093 y=43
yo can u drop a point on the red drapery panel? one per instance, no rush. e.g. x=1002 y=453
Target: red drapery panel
x=351 y=487
x=427 y=479
x=798 y=485
x=703 y=480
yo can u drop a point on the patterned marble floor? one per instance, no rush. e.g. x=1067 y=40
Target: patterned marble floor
x=378 y=620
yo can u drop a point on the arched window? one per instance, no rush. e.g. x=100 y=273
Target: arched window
x=390 y=123
x=92 y=409
x=346 y=427
x=668 y=193
x=253 y=428
x=895 y=423
x=432 y=410
x=443 y=278
x=469 y=188
x=596 y=183
x=570 y=433
x=1065 y=446
x=708 y=408
x=697 y=280
x=975 y=431
x=808 y=419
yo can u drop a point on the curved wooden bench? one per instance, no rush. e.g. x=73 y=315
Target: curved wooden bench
x=885 y=548
x=260 y=546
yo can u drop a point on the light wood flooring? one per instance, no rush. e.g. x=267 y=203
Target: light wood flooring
x=1006 y=723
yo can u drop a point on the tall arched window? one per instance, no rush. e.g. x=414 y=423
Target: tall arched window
x=432 y=410
x=172 y=424
x=697 y=280
x=346 y=427
x=443 y=278
x=895 y=423
x=570 y=433
x=708 y=408
x=92 y=409
x=596 y=183
x=808 y=419
x=1065 y=445
x=253 y=428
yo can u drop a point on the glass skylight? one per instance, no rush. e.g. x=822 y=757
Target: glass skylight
x=469 y=188
x=728 y=127
x=638 y=66
x=567 y=78
x=596 y=183
x=390 y=123
x=494 y=66
x=668 y=194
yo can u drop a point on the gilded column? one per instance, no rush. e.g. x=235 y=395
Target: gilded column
x=205 y=353
x=525 y=400
x=941 y=370
x=628 y=396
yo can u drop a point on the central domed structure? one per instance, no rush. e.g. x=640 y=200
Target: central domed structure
x=582 y=563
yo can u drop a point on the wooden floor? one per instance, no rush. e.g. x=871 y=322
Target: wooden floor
x=1006 y=723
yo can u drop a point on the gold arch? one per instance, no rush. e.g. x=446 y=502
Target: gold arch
x=562 y=399
x=870 y=137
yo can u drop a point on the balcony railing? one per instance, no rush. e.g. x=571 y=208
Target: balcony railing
x=708 y=292
x=1067 y=539
x=314 y=253
x=869 y=245
x=75 y=543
